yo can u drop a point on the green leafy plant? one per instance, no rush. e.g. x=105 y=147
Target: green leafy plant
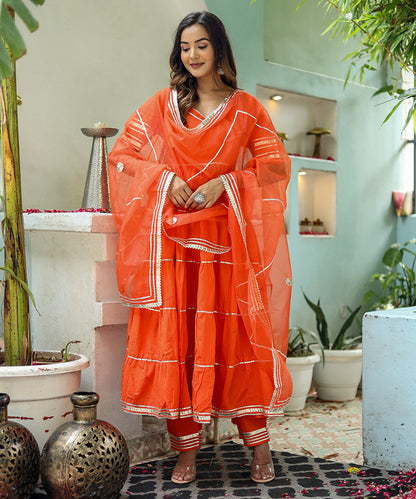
x=300 y=341
x=12 y=44
x=387 y=34
x=341 y=342
x=17 y=336
x=397 y=286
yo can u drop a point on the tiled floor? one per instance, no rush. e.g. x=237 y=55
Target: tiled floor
x=313 y=452
x=328 y=430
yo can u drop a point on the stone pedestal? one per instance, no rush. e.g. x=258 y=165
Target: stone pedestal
x=389 y=389
x=71 y=271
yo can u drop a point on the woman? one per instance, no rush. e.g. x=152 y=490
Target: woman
x=198 y=180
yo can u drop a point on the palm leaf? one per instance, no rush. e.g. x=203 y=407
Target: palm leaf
x=24 y=13
x=11 y=39
x=6 y=66
x=10 y=33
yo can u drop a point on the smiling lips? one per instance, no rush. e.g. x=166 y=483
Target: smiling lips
x=196 y=66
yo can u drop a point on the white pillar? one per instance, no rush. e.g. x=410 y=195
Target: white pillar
x=389 y=388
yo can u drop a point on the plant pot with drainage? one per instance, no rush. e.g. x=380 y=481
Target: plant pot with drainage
x=337 y=375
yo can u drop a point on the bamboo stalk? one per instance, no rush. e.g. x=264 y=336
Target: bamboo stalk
x=16 y=304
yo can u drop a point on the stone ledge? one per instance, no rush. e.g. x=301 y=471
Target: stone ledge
x=83 y=221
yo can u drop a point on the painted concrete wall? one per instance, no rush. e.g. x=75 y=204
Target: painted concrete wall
x=367 y=170
x=315 y=53
x=89 y=61
x=406 y=228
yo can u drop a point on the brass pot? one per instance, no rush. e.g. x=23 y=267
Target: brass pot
x=19 y=457
x=86 y=457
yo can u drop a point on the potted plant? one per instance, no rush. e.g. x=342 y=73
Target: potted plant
x=300 y=362
x=397 y=286
x=338 y=373
x=23 y=376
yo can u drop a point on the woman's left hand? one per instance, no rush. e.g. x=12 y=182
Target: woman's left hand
x=211 y=191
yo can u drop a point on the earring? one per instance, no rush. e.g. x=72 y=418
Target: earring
x=220 y=70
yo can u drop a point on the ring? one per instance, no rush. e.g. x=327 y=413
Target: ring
x=199 y=198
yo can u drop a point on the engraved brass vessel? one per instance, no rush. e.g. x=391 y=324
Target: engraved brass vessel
x=86 y=457
x=97 y=191
x=19 y=457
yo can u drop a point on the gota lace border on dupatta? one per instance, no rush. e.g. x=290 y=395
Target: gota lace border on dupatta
x=154 y=299
x=212 y=118
x=233 y=195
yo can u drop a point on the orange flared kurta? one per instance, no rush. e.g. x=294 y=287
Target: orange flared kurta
x=209 y=290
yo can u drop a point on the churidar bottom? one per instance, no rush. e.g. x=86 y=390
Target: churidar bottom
x=186 y=434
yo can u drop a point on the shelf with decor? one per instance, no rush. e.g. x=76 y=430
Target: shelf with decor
x=308 y=127
x=317 y=202
x=313 y=163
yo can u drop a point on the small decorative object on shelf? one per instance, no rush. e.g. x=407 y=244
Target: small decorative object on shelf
x=403 y=203
x=317 y=226
x=19 y=457
x=318 y=132
x=305 y=226
x=86 y=457
x=96 y=191
x=283 y=136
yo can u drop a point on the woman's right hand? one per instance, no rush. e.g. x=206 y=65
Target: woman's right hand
x=179 y=192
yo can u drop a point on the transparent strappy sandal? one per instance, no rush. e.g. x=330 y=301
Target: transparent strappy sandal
x=258 y=468
x=187 y=470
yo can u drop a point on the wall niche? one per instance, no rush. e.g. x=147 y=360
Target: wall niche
x=308 y=127
x=297 y=114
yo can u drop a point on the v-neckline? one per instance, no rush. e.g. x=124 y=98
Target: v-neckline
x=205 y=120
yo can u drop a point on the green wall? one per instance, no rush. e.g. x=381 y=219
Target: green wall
x=293 y=37
x=367 y=166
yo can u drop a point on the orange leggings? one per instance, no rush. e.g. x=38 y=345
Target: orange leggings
x=185 y=434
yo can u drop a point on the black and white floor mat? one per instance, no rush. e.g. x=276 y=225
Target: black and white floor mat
x=223 y=471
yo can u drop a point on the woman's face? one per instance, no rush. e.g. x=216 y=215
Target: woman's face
x=197 y=52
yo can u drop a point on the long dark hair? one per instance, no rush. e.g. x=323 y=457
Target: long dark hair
x=225 y=71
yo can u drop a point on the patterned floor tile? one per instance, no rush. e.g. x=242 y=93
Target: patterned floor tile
x=223 y=471
x=323 y=429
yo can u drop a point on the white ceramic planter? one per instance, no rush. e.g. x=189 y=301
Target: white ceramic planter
x=39 y=395
x=300 y=369
x=338 y=379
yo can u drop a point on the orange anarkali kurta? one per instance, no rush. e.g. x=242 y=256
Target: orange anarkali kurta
x=209 y=289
